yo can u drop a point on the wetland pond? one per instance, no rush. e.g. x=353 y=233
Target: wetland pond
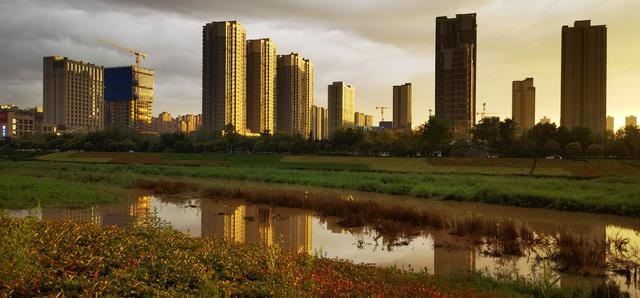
x=579 y=249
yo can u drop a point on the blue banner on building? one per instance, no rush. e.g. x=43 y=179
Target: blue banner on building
x=118 y=83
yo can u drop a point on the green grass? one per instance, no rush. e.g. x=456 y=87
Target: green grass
x=71 y=157
x=24 y=192
x=603 y=195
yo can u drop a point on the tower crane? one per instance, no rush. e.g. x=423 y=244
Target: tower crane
x=136 y=53
x=382 y=112
x=483 y=114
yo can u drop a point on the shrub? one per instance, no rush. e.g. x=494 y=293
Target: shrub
x=573 y=150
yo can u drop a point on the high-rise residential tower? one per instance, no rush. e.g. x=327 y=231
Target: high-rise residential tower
x=402 y=97
x=523 y=104
x=631 y=121
x=341 y=99
x=319 y=125
x=584 y=76
x=73 y=94
x=456 y=47
x=224 y=57
x=128 y=95
x=261 y=85
x=294 y=94
x=610 y=124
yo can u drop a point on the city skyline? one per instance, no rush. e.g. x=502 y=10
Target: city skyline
x=410 y=61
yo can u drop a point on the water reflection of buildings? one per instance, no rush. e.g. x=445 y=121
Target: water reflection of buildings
x=223 y=219
x=82 y=215
x=123 y=213
x=235 y=221
x=127 y=212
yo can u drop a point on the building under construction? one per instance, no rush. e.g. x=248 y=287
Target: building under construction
x=128 y=95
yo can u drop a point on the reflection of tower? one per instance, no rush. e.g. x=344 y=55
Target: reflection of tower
x=260 y=229
x=223 y=219
x=295 y=227
x=84 y=215
x=452 y=260
x=140 y=209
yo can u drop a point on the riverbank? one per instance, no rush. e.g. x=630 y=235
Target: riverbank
x=51 y=258
x=611 y=193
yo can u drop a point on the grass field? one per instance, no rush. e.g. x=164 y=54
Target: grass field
x=25 y=192
x=614 y=192
x=502 y=166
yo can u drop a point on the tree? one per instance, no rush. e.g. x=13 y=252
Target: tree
x=595 y=150
x=435 y=135
x=582 y=135
x=551 y=148
x=573 y=149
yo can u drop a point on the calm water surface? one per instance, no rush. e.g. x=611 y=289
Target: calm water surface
x=296 y=230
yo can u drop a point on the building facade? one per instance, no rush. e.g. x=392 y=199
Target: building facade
x=73 y=94
x=523 y=104
x=631 y=121
x=584 y=76
x=610 y=124
x=261 y=86
x=319 y=123
x=15 y=122
x=402 y=96
x=362 y=120
x=128 y=95
x=294 y=94
x=368 y=120
x=188 y=123
x=224 y=51
x=359 y=119
x=341 y=99
x=456 y=47
x=164 y=123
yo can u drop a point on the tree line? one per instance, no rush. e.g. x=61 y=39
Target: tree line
x=490 y=137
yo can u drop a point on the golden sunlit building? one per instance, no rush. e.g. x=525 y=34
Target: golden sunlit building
x=319 y=123
x=523 y=104
x=73 y=94
x=188 y=123
x=402 y=96
x=128 y=95
x=261 y=85
x=610 y=123
x=631 y=121
x=294 y=95
x=341 y=106
x=358 y=119
x=224 y=57
x=368 y=120
x=164 y=123
x=456 y=48
x=584 y=76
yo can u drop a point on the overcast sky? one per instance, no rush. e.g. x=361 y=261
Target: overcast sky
x=370 y=44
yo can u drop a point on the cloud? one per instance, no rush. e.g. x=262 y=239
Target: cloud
x=371 y=44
